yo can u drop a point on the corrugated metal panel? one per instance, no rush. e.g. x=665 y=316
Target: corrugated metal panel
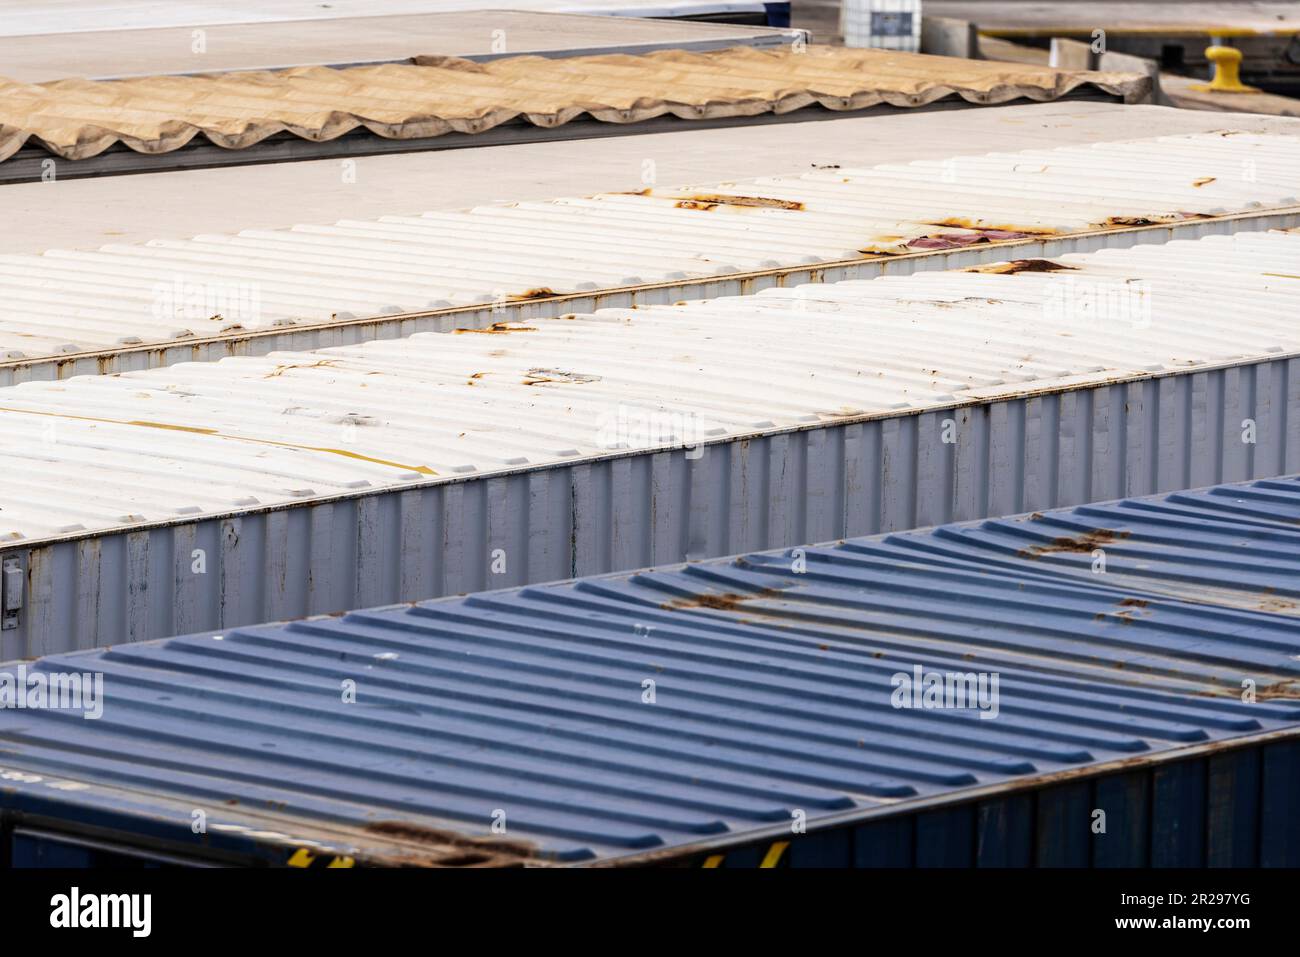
x=128 y=306
x=213 y=494
x=675 y=711
x=77 y=119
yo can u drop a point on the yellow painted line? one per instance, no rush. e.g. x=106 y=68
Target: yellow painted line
x=774 y=854
x=342 y=862
x=713 y=860
x=302 y=858
x=144 y=424
x=1281 y=275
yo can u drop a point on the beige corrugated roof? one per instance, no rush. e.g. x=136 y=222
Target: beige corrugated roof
x=77 y=119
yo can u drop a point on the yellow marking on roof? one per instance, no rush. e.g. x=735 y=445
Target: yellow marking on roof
x=141 y=423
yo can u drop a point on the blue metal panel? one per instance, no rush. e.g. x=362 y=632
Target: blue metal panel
x=1006 y=832
x=1178 y=815
x=1279 y=838
x=1124 y=801
x=1233 y=833
x=1064 y=819
x=772 y=699
x=778 y=14
x=884 y=843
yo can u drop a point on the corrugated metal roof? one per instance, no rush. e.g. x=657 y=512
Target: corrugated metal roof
x=100 y=452
x=77 y=119
x=66 y=303
x=773 y=687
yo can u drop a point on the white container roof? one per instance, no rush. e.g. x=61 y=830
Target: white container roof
x=75 y=302
x=107 y=452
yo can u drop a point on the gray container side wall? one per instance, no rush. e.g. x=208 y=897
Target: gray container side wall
x=778 y=490
x=1235 y=808
x=351 y=333
x=781 y=490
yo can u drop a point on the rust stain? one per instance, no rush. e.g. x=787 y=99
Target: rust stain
x=496 y=329
x=1134 y=603
x=1113 y=222
x=1022 y=265
x=281 y=370
x=1129 y=221
x=1278 y=689
x=450 y=849
x=726 y=601
x=541 y=292
x=1083 y=543
x=707 y=201
x=1285 y=688
x=539 y=376
x=976 y=236
x=963 y=222
x=1203 y=181
x=1277 y=605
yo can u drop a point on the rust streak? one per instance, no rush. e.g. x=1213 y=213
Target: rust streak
x=1083 y=543
x=497 y=329
x=707 y=201
x=1022 y=265
x=726 y=601
x=963 y=222
x=541 y=292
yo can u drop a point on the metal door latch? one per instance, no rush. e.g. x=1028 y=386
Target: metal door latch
x=11 y=593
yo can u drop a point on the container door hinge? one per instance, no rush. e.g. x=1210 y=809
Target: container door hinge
x=11 y=593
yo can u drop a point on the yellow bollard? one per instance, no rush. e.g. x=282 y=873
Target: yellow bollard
x=1227 y=75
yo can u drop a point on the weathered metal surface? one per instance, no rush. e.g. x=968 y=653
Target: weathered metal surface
x=126 y=307
x=76 y=119
x=748 y=708
x=216 y=494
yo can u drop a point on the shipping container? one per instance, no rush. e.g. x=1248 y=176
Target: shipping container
x=210 y=495
x=132 y=306
x=1132 y=676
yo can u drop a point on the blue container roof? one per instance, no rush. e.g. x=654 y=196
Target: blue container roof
x=773 y=686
